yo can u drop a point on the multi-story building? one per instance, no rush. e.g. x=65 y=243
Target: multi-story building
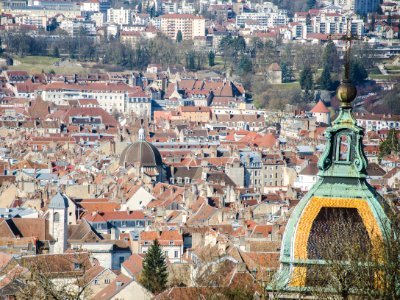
x=90 y=6
x=117 y=222
x=375 y=122
x=109 y=96
x=139 y=103
x=26 y=19
x=326 y=21
x=360 y=7
x=253 y=165
x=120 y=16
x=272 y=172
x=171 y=243
x=76 y=27
x=173 y=6
x=189 y=25
x=195 y=113
x=336 y=23
x=49 y=9
x=263 y=19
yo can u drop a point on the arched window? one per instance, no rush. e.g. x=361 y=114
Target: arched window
x=56 y=217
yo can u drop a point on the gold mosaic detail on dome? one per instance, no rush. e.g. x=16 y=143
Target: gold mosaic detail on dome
x=298 y=277
x=313 y=208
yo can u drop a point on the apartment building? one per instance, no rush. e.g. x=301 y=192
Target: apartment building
x=26 y=19
x=361 y=7
x=190 y=26
x=119 y=16
x=374 y=122
x=139 y=103
x=272 y=171
x=263 y=19
x=252 y=163
x=75 y=27
x=336 y=23
x=90 y=6
x=109 y=96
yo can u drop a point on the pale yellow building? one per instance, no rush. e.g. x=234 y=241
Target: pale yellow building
x=190 y=25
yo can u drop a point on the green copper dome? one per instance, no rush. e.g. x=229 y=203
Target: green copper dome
x=341 y=186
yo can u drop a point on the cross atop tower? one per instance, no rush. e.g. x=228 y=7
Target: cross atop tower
x=348 y=38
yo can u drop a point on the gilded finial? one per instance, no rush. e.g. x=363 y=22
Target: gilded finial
x=347 y=92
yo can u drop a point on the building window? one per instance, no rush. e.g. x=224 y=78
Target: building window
x=176 y=254
x=107 y=281
x=56 y=217
x=96 y=281
x=171 y=242
x=166 y=253
x=77 y=266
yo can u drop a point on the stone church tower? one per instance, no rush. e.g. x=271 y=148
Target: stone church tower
x=58 y=222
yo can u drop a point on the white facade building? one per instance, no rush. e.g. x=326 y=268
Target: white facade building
x=264 y=19
x=119 y=16
x=109 y=96
x=139 y=103
x=90 y=6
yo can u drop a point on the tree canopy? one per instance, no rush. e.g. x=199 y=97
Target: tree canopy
x=306 y=79
x=390 y=145
x=155 y=274
x=358 y=73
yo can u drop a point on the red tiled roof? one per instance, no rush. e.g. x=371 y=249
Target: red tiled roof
x=320 y=108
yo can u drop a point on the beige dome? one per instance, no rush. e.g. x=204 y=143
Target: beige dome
x=140 y=153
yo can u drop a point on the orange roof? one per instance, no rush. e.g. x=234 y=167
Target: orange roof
x=320 y=108
x=100 y=206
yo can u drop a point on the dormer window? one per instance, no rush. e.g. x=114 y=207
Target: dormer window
x=77 y=266
x=171 y=243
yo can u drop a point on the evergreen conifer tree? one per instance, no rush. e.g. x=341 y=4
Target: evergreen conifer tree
x=155 y=274
x=179 y=36
x=211 y=58
x=330 y=57
x=358 y=73
x=306 y=79
x=56 y=52
x=325 y=80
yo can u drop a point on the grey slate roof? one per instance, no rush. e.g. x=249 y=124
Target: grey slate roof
x=59 y=201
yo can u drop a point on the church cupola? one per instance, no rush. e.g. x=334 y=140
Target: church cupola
x=339 y=202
